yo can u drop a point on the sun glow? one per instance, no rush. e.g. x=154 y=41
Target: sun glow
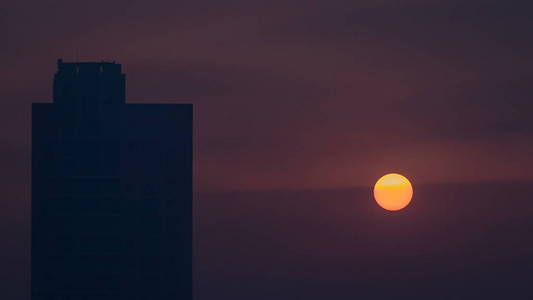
x=393 y=192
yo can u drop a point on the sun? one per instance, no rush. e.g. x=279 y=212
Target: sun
x=393 y=192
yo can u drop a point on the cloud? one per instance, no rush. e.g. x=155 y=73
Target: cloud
x=295 y=89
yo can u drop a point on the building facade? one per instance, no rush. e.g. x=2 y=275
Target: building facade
x=111 y=191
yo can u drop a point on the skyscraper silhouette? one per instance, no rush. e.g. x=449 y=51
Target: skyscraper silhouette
x=111 y=191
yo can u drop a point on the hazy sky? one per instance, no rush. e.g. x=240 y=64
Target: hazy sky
x=291 y=94
x=299 y=93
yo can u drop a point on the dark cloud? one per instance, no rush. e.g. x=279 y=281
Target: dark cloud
x=313 y=78
x=460 y=241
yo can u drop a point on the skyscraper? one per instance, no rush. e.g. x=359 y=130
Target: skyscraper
x=111 y=191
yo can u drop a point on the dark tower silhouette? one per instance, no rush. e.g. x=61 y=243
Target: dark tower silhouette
x=111 y=191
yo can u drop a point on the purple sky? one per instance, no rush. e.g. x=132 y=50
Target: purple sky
x=300 y=93
x=292 y=94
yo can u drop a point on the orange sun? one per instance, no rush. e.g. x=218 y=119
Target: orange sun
x=393 y=192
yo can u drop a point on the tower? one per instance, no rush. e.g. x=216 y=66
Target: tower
x=111 y=191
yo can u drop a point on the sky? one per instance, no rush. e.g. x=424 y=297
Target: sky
x=289 y=95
